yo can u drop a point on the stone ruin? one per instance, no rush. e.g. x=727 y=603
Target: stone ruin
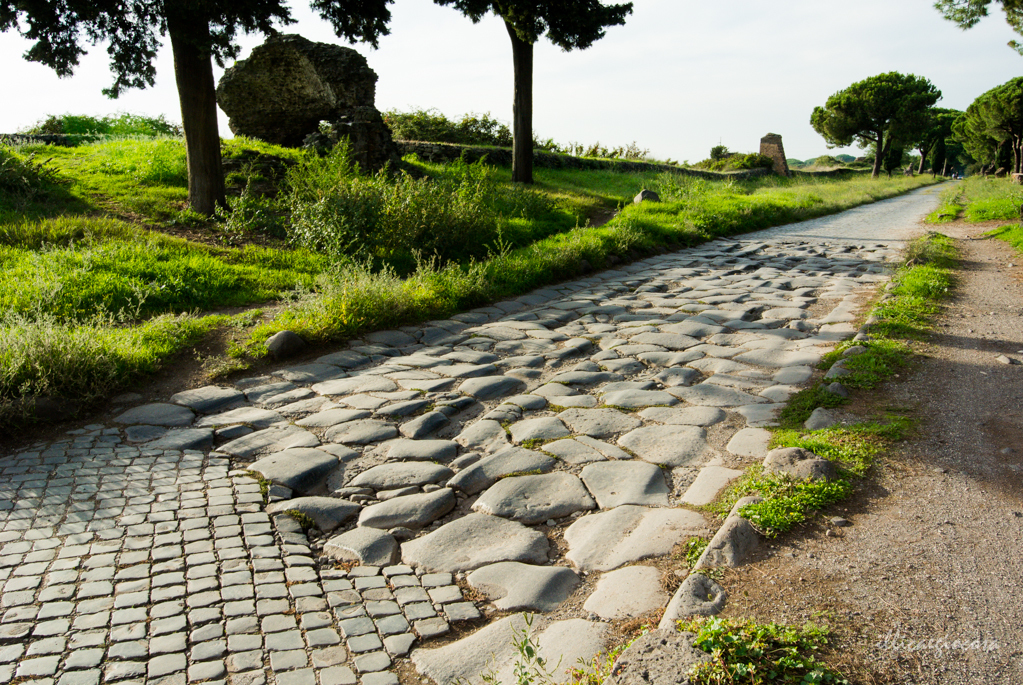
x=771 y=146
x=289 y=84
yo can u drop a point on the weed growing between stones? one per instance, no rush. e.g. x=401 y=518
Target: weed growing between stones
x=748 y=652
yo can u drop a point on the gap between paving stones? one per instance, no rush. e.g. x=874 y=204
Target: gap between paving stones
x=141 y=550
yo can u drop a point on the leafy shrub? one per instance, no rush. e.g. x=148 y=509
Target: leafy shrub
x=337 y=210
x=747 y=652
x=432 y=126
x=122 y=124
x=22 y=179
x=736 y=162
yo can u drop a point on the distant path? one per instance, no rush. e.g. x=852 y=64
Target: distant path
x=888 y=221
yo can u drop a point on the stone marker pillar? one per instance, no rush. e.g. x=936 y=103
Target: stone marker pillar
x=771 y=146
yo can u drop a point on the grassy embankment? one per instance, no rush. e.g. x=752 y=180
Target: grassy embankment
x=99 y=287
x=979 y=199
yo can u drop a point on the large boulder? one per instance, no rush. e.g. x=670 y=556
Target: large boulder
x=288 y=85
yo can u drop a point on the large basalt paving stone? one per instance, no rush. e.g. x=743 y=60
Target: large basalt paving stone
x=485 y=435
x=599 y=423
x=311 y=373
x=358 y=384
x=573 y=452
x=332 y=417
x=614 y=483
x=422 y=450
x=685 y=416
x=362 y=432
x=709 y=395
x=368 y=546
x=535 y=498
x=544 y=428
x=346 y=359
x=627 y=593
x=327 y=512
x=401 y=475
x=513 y=586
x=667 y=445
x=270 y=440
x=586 y=377
x=209 y=399
x=489 y=470
x=473 y=541
x=670 y=341
x=638 y=399
x=304 y=470
x=780 y=358
x=410 y=511
x=183 y=439
x=486 y=388
x=250 y=416
x=158 y=414
x=424 y=425
x=607 y=540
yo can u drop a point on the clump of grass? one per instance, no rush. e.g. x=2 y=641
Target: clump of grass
x=1011 y=234
x=694 y=548
x=802 y=404
x=952 y=202
x=747 y=652
x=23 y=179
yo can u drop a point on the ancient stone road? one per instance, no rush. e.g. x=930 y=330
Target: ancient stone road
x=520 y=450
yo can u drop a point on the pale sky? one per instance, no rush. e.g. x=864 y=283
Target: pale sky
x=678 y=78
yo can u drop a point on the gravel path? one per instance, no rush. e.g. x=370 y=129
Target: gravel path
x=516 y=457
x=925 y=584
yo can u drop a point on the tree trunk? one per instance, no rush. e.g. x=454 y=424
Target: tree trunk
x=944 y=169
x=923 y=159
x=193 y=71
x=522 y=110
x=879 y=155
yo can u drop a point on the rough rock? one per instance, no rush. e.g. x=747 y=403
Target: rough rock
x=799 y=463
x=626 y=593
x=209 y=399
x=361 y=432
x=535 y=498
x=544 y=428
x=734 y=541
x=614 y=483
x=698 y=595
x=820 y=418
x=410 y=511
x=368 y=546
x=327 y=512
x=424 y=425
x=638 y=399
x=605 y=541
x=270 y=440
x=573 y=452
x=491 y=387
x=473 y=541
x=513 y=586
x=661 y=657
x=284 y=344
x=422 y=450
x=686 y=416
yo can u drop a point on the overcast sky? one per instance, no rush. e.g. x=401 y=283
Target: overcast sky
x=679 y=77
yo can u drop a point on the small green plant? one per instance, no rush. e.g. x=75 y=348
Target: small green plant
x=264 y=484
x=23 y=179
x=598 y=669
x=694 y=548
x=530 y=668
x=743 y=651
x=303 y=519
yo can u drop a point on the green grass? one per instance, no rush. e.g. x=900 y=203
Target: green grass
x=980 y=198
x=747 y=652
x=1011 y=234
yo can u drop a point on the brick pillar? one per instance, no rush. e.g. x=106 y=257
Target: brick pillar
x=771 y=146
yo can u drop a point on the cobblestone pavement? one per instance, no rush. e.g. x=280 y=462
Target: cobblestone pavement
x=517 y=449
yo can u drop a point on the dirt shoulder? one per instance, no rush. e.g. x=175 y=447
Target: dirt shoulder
x=935 y=552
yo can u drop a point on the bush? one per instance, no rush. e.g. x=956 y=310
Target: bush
x=736 y=162
x=122 y=124
x=22 y=179
x=337 y=210
x=430 y=125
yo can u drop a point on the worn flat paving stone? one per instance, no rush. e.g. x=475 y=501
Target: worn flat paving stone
x=513 y=586
x=613 y=483
x=536 y=498
x=627 y=593
x=668 y=445
x=475 y=540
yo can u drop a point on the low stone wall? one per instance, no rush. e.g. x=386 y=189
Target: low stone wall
x=447 y=152
x=58 y=139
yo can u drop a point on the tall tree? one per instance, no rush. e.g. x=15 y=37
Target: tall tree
x=569 y=24
x=966 y=13
x=993 y=121
x=200 y=31
x=884 y=109
x=939 y=127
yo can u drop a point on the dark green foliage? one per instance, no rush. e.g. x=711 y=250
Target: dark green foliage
x=966 y=13
x=432 y=126
x=719 y=152
x=993 y=122
x=931 y=141
x=747 y=652
x=884 y=109
x=114 y=125
x=23 y=180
